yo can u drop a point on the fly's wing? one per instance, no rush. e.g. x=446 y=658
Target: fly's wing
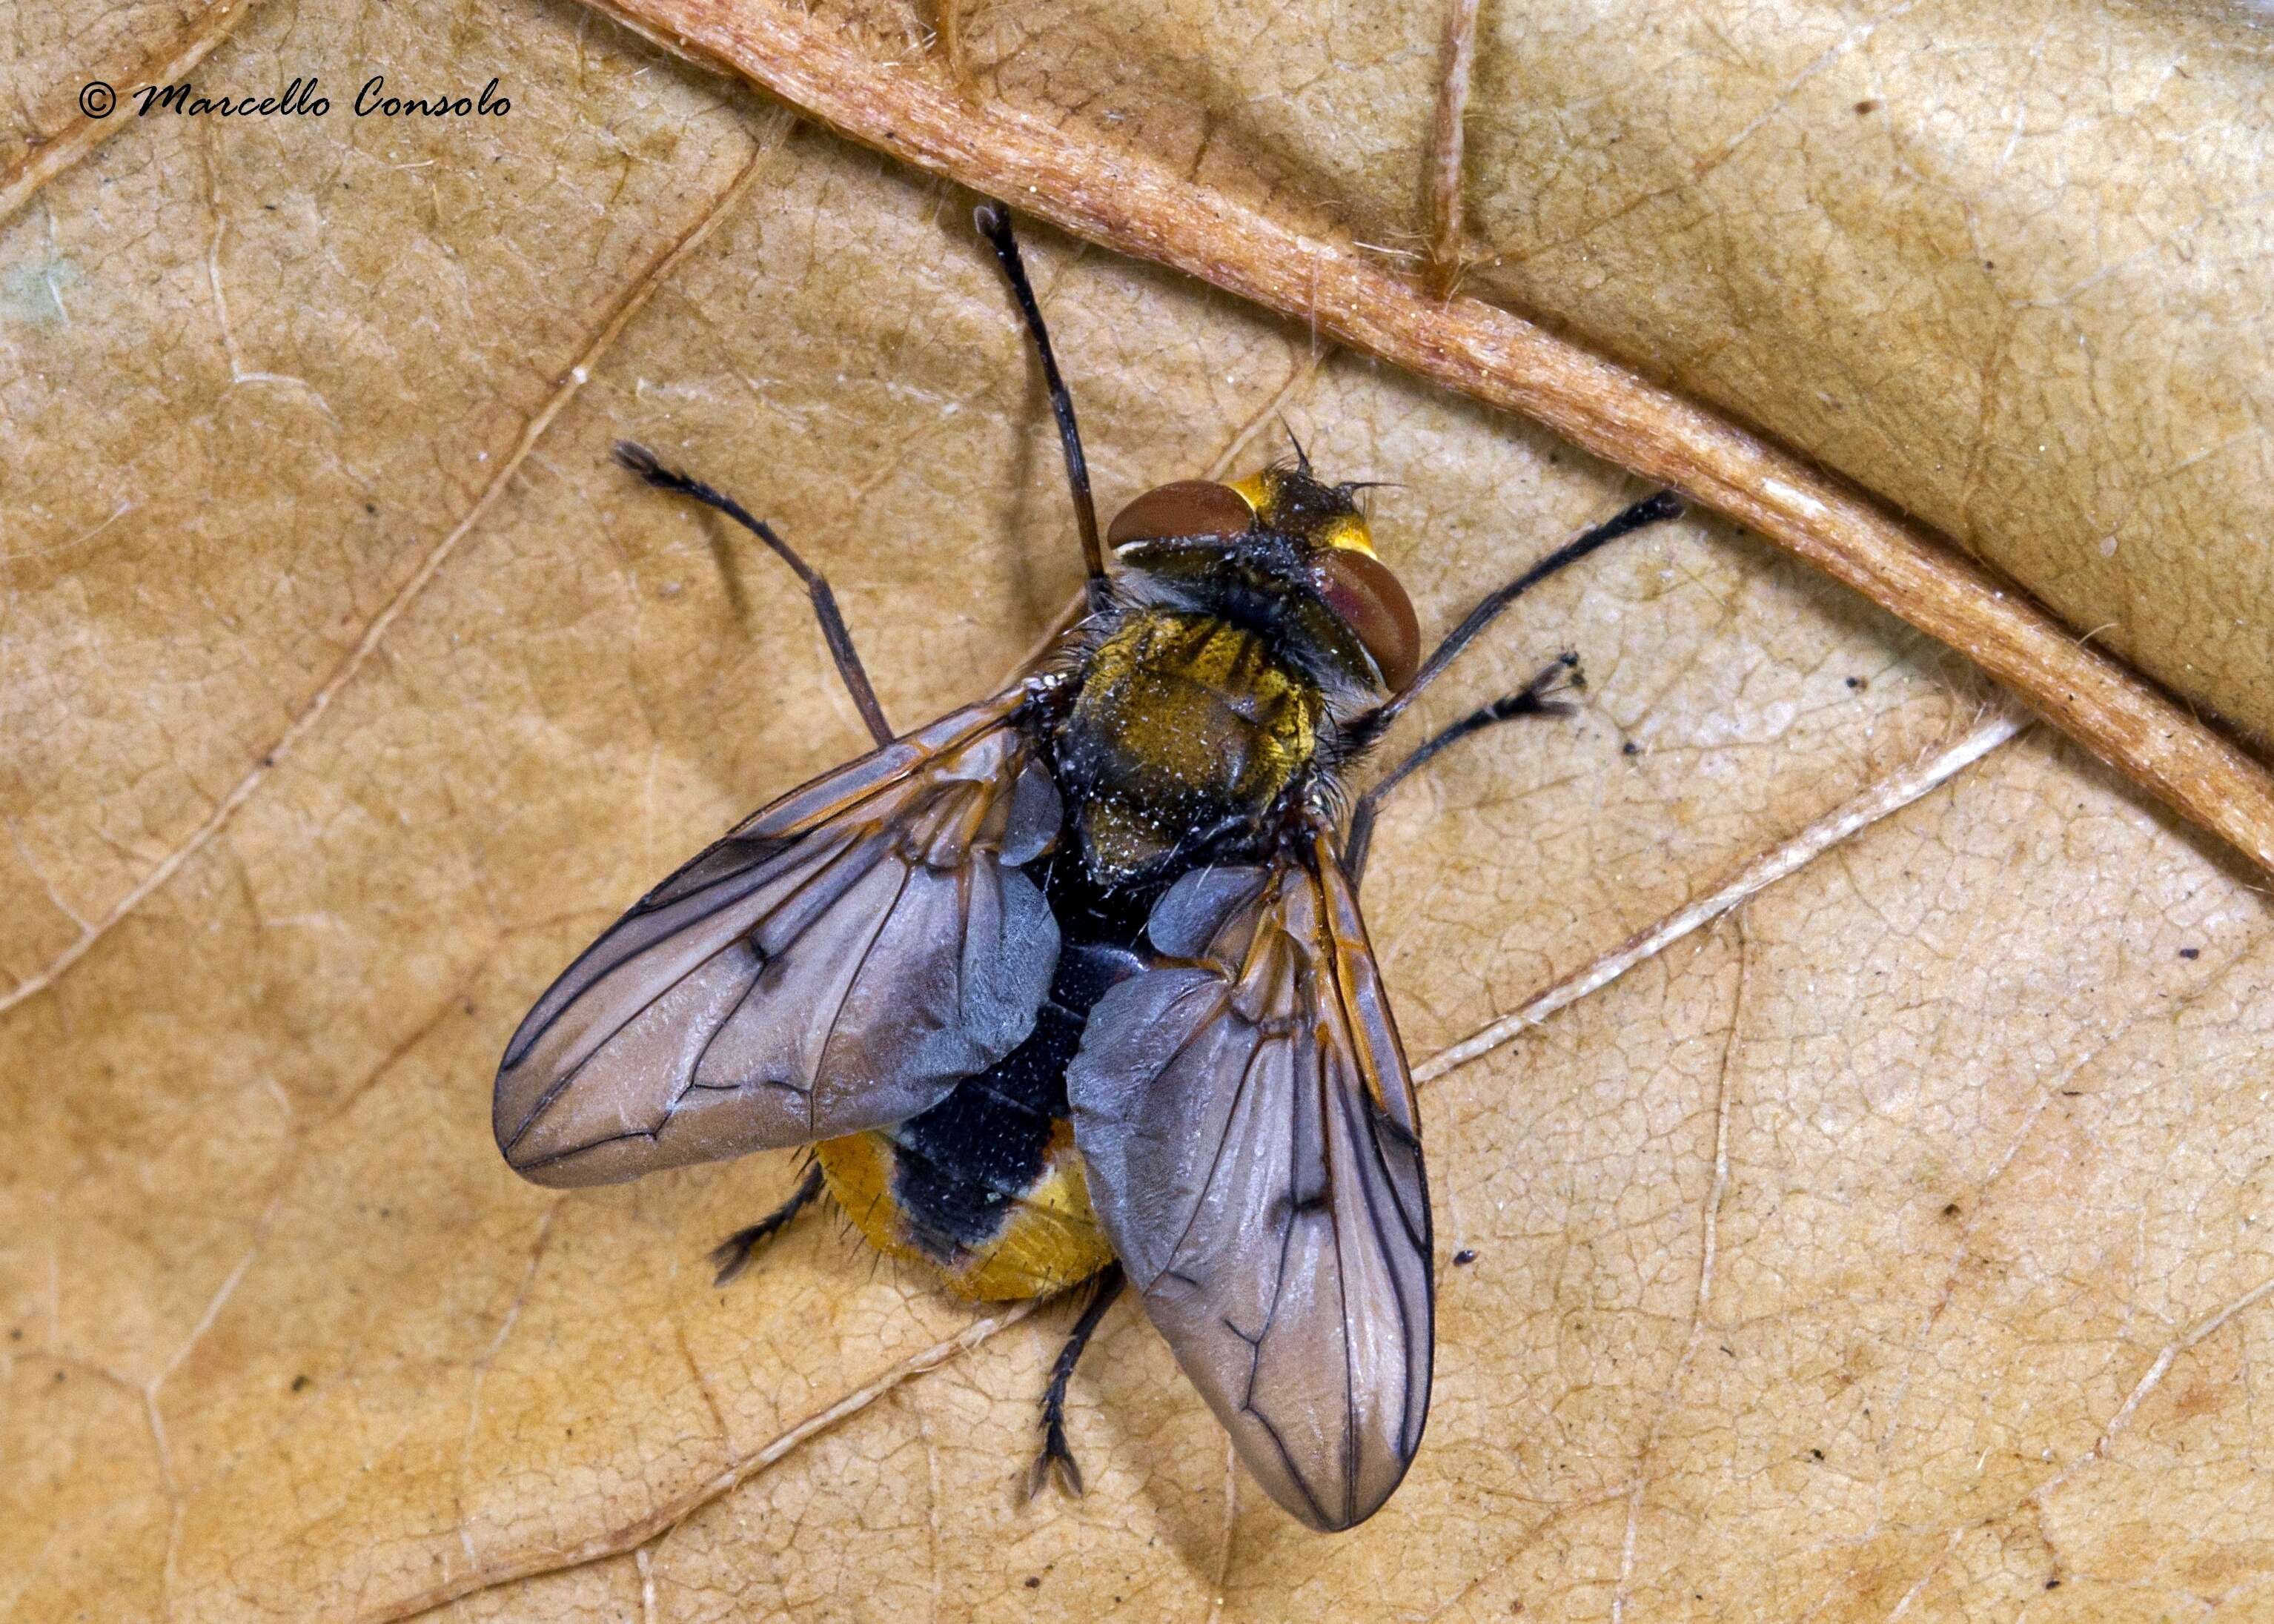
x=1246 y=1119
x=837 y=962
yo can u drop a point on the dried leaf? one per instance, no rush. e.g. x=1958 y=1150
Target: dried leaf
x=1887 y=1233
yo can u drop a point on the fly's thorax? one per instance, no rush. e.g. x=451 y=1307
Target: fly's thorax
x=1186 y=729
x=1259 y=583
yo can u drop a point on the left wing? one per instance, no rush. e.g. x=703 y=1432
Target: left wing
x=837 y=962
x=1248 y=1123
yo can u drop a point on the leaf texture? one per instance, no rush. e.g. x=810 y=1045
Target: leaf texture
x=1895 y=1240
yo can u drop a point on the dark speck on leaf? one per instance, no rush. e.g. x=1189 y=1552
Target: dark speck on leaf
x=2191 y=952
x=300 y=1382
x=1465 y=1257
x=1816 y=1455
x=1629 y=748
x=1869 y=104
x=1033 y=1582
x=1951 y=1211
x=1856 y=685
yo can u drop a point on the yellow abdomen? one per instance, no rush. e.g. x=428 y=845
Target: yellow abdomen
x=1046 y=1238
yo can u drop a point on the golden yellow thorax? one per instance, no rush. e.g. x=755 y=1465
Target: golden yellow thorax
x=1182 y=719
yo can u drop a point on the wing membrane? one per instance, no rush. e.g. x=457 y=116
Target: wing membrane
x=1248 y=1122
x=837 y=962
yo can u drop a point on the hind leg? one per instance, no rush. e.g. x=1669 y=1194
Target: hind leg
x=1057 y=1460
x=732 y=1254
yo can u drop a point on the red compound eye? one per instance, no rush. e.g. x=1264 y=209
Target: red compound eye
x=1188 y=508
x=1367 y=595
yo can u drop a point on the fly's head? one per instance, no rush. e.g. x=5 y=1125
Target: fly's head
x=1284 y=553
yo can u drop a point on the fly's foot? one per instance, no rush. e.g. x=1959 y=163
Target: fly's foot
x=1056 y=1461
x=1543 y=695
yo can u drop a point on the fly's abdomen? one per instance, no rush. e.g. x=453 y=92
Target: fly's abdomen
x=1186 y=723
x=987 y=1186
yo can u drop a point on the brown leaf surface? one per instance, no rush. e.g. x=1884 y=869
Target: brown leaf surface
x=1889 y=1234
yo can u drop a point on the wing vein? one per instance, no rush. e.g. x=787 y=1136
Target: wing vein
x=1224 y=1140
x=1255 y=1360
x=836 y=1015
x=890 y=986
x=666 y=989
x=1342 y=1287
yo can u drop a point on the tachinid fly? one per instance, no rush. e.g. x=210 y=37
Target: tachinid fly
x=1071 y=985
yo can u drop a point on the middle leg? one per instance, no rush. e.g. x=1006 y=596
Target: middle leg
x=1540 y=696
x=642 y=462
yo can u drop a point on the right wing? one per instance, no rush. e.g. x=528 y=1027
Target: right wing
x=837 y=962
x=1248 y=1124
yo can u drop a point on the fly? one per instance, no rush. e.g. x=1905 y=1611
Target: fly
x=1071 y=986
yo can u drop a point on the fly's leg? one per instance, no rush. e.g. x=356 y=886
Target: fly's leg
x=1057 y=1460
x=1651 y=510
x=642 y=462
x=994 y=223
x=1536 y=699
x=732 y=1254
x=1540 y=696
